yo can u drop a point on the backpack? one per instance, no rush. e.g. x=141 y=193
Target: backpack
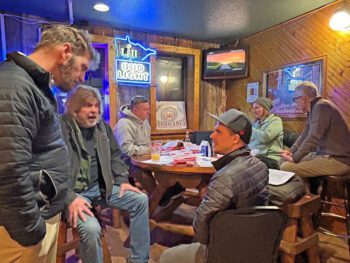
x=289 y=192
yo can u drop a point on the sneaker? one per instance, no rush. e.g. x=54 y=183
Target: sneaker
x=172 y=193
x=165 y=213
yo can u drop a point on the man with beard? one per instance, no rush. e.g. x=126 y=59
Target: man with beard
x=34 y=171
x=99 y=176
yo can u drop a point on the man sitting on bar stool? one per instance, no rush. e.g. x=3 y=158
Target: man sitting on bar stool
x=240 y=181
x=133 y=134
x=99 y=176
x=323 y=147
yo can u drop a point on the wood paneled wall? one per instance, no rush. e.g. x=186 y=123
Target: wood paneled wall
x=301 y=39
x=212 y=94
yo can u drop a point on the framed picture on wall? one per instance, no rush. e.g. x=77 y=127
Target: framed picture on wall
x=279 y=85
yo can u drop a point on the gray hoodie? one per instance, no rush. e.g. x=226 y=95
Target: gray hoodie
x=133 y=135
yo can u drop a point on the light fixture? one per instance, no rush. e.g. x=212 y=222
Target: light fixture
x=340 y=21
x=101 y=7
x=164 y=79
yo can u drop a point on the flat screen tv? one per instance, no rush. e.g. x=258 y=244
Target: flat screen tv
x=225 y=63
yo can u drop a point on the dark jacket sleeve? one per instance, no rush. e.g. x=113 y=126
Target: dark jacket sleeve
x=71 y=195
x=319 y=123
x=19 y=211
x=218 y=197
x=120 y=169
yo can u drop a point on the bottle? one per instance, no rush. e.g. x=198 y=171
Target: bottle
x=187 y=137
x=205 y=149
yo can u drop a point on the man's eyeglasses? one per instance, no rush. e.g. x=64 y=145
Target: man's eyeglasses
x=296 y=98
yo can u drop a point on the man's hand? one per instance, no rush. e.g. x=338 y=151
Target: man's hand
x=287 y=156
x=128 y=187
x=77 y=208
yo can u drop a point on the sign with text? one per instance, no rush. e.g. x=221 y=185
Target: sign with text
x=133 y=72
x=132 y=61
x=171 y=115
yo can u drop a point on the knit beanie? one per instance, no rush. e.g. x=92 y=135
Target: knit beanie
x=265 y=103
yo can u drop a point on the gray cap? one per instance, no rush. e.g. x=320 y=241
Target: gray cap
x=236 y=121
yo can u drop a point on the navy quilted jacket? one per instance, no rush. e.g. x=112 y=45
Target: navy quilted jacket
x=240 y=181
x=34 y=162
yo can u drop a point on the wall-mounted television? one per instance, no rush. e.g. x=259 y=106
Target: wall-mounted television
x=225 y=63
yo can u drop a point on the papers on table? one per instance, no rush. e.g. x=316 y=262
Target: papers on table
x=277 y=177
x=170 y=144
x=162 y=160
x=204 y=161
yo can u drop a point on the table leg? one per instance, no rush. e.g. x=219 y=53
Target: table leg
x=155 y=198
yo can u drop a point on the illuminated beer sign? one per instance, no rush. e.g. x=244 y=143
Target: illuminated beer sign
x=132 y=64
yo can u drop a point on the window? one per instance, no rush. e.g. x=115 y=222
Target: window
x=170 y=78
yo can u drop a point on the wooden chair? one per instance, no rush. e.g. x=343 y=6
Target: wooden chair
x=300 y=214
x=336 y=187
x=66 y=244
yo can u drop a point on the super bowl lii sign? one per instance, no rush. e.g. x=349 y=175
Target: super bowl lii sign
x=132 y=64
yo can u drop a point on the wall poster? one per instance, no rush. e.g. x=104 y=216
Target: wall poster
x=171 y=115
x=279 y=85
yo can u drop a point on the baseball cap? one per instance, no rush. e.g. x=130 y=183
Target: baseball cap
x=237 y=121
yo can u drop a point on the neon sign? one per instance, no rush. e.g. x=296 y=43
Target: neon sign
x=133 y=72
x=132 y=61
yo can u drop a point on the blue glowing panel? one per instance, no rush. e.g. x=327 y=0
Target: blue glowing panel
x=132 y=72
x=127 y=49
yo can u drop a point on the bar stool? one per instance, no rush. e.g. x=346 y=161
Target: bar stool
x=336 y=187
x=66 y=244
x=299 y=214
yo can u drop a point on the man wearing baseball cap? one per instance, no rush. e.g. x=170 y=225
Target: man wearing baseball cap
x=240 y=181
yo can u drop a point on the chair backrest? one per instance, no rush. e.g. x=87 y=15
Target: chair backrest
x=289 y=137
x=198 y=136
x=246 y=235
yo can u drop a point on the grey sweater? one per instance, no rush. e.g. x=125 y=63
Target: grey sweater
x=325 y=133
x=133 y=135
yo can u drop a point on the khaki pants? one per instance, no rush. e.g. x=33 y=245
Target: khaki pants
x=313 y=165
x=44 y=252
x=190 y=253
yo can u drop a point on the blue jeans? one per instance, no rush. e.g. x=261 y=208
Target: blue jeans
x=90 y=231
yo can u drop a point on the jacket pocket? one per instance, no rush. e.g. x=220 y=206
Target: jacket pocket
x=46 y=189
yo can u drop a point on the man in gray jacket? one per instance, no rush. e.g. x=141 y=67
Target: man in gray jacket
x=240 y=181
x=34 y=163
x=133 y=134
x=99 y=176
x=323 y=147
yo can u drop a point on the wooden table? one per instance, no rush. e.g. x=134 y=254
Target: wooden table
x=167 y=175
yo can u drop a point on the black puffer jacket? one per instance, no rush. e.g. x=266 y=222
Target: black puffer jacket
x=240 y=181
x=34 y=161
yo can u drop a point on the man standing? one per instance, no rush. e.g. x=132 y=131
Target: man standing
x=323 y=147
x=99 y=176
x=240 y=181
x=34 y=164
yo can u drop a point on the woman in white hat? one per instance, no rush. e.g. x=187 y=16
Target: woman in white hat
x=267 y=136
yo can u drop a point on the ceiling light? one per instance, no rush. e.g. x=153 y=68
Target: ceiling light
x=101 y=7
x=340 y=21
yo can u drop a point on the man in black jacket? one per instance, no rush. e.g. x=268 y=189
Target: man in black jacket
x=240 y=181
x=34 y=168
x=99 y=176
